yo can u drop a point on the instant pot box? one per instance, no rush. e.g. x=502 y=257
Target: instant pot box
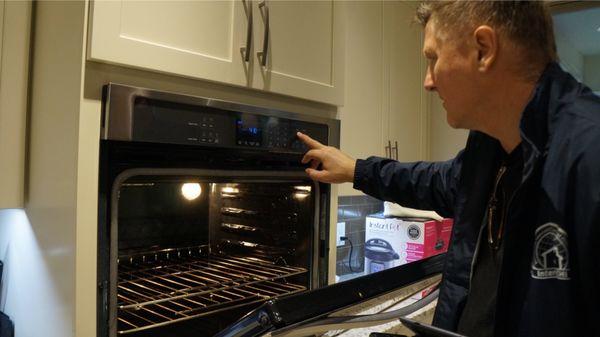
x=392 y=241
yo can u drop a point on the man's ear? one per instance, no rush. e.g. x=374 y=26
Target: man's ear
x=486 y=42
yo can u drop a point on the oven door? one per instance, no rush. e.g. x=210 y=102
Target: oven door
x=379 y=298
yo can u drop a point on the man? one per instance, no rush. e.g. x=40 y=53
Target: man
x=525 y=191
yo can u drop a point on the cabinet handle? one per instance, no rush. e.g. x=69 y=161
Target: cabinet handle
x=262 y=55
x=396 y=149
x=246 y=50
x=388 y=150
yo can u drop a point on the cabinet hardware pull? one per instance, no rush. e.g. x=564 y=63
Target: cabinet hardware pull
x=246 y=50
x=388 y=150
x=396 y=149
x=262 y=55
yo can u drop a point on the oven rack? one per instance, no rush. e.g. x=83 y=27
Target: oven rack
x=165 y=291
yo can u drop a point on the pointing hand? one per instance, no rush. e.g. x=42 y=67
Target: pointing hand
x=335 y=166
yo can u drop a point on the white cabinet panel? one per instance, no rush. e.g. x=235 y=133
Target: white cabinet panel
x=15 y=22
x=304 y=47
x=148 y=22
x=1 y=28
x=385 y=100
x=362 y=119
x=405 y=95
x=204 y=40
x=200 y=39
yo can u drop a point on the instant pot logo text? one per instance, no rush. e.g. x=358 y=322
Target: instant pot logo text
x=384 y=226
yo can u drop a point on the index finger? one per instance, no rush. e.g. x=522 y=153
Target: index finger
x=313 y=144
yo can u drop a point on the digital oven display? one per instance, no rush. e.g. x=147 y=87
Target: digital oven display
x=249 y=131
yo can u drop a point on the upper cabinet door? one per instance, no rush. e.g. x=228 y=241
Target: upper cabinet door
x=198 y=39
x=213 y=40
x=15 y=30
x=404 y=97
x=304 y=49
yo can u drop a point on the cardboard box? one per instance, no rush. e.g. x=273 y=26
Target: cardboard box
x=391 y=242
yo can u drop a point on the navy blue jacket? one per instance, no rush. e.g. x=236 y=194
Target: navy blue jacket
x=550 y=278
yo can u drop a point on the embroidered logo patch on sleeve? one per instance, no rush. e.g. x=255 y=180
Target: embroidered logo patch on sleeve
x=550 y=253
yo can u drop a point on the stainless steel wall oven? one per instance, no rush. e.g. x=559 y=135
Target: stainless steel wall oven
x=204 y=212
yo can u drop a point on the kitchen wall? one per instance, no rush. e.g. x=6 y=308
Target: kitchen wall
x=352 y=210
x=570 y=58
x=29 y=291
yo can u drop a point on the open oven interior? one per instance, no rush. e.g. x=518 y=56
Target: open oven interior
x=198 y=248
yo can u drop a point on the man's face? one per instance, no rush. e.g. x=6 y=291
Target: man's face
x=452 y=74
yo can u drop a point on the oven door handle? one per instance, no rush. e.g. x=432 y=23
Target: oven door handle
x=352 y=322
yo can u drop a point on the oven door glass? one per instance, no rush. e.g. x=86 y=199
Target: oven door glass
x=194 y=249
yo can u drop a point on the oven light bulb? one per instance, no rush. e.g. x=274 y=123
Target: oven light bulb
x=300 y=195
x=191 y=191
x=230 y=190
x=303 y=188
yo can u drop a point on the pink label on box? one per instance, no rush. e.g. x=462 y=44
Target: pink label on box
x=414 y=246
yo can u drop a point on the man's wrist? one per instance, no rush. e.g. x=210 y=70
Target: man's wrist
x=352 y=172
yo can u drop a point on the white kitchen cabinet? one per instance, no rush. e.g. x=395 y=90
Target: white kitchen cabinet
x=1 y=27
x=209 y=40
x=303 y=49
x=199 y=39
x=362 y=120
x=385 y=111
x=15 y=22
x=404 y=71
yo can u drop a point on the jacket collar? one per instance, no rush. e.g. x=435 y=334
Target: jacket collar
x=539 y=115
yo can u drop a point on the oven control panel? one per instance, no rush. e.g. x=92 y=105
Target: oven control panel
x=275 y=133
x=174 y=123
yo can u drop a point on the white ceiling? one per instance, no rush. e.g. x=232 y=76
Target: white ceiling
x=581 y=29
